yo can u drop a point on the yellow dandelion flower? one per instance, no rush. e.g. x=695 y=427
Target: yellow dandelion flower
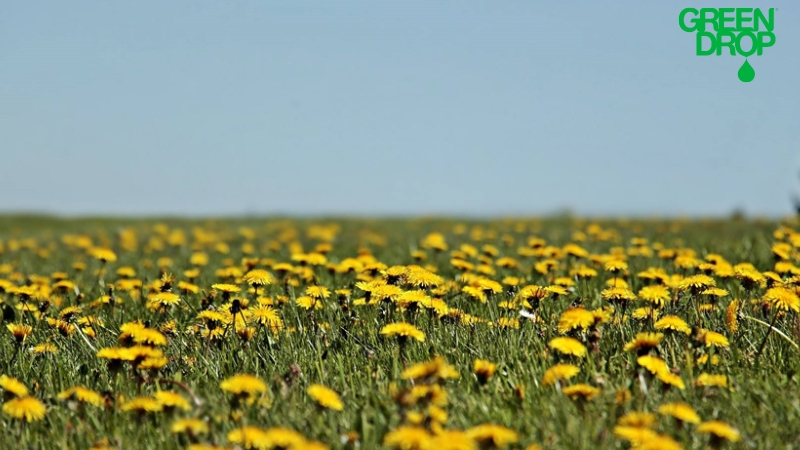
x=408 y=438
x=556 y=290
x=308 y=302
x=782 y=299
x=258 y=277
x=453 y=440
x=533 y=292
x=672 y=323
x=20 y=331
x=215 y=317
x=715 y=292
x=103 y=254
x=413 y=298
x=279 y=437
x=243 y=385
x=634 y=435
x=658 y=442
x=13 y=386
x=749 y=276
x=575 y=250
x=680 y=411
x=720 y=429
x=697 y=283
x=148 y=336
x=615 y=266
x=568 y=346
x=325 y=397
x=192 y=427
x=637 y=419
x=645 y=313
x=711 y=380
x=602 y=315
x=128 y=329
x=559 y=372
x=198 y=259
x=581 y=391
x=712 y=338
x=171 y=400
x=385 y=292
x=489 y=286
x=475 y=293
x=165 y=299
x=318 y=292
x=81 y=394
x=266 y=315
x=142 y=405
x=574 y=318
x=102 y=444
x=617 y=283
x=732 y=316
x=403 y=331
x=644 y=342
x=506 y=322
x=250 y=437
x=484 y=370
x=310 y=445
x=582 y=271
x=492 y=436
x=653 y=273
x=433 y=394
x=703 y=359
x=153 y=363
x=188 y=287
x=43 y=348
x=226 y=288
x=782 y=250
x=462 y=265
x=28 y=409
x=622 y=396
x=655 y=294
x=436 y=369
x=416 y=418
x=671 y=379
x=653 y=364
x=618 y=294
x=126 y=272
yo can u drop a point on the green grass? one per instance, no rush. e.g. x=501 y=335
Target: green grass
x=349 y=356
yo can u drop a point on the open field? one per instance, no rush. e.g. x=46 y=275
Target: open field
x=410 y=334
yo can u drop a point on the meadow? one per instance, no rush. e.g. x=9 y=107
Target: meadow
x=406 y=334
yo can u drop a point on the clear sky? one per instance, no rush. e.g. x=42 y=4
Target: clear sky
x=390 y=107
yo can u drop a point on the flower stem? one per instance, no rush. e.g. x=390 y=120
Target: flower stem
x=764 y=341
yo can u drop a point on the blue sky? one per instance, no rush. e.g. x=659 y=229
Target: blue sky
x=412 y=107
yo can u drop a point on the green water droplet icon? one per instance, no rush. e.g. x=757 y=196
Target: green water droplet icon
x=746 y=72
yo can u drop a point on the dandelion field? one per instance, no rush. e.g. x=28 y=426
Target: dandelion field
x=405 y=334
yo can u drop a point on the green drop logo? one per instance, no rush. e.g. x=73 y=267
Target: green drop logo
x=746 y=72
